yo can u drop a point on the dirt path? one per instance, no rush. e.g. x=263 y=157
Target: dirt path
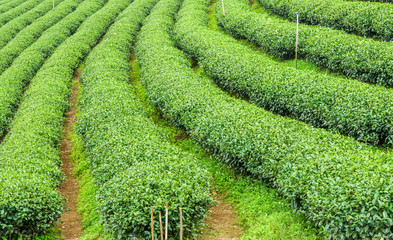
x=221 y=223
x=70 y=225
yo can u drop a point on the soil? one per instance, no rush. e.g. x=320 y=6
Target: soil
x=221 y=223
x=70 y=224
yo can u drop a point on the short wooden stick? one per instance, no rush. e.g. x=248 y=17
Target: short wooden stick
x=166 y=221
x=181 y=223
x=152 y=224
x=161 y=232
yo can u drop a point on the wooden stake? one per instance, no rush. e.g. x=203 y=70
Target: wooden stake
x=223 y=8
x=297 y=36
x=166 y=221
x=161 y=232
x=181 y=223
x=152 y=224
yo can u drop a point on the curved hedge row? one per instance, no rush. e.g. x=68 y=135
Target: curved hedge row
x=13 y=81
x=10 y=5
x=9 y=30
x=133 y=165
x=354 y=56
x=346 y=106
x=363 y=18
x=31 y=33
x=29 y=155
x=19 y=10
x=342 y=185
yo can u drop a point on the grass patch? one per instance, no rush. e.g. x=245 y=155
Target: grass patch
x=87 y=206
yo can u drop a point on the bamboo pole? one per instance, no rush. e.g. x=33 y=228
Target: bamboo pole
x=152 y=224
x=161 y=232
x=166 y=221
x=181 y=223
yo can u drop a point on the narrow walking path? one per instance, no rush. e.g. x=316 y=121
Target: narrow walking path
x=221 y=223
x=70 y=224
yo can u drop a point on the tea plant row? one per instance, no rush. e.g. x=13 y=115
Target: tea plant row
x=362 y=18
x=354 y=56
x=29 y=155
x=17 y=11
x=342 y=185
x=11 y=48
x=9 y=30
x=10 y=5
x=14 y=80
x=133 y=165
x=346 y=106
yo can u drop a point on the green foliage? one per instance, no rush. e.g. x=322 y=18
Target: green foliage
x=354 y=56
x=9 y=30
x=15 y=12
x=362 y=18
x=14 y=80
x=29 y=155
x=343 y=186
x=132 y=166
x=263 y=214
x=10 y=5
x=87 y=205
x=31 y=33
x=342 y=105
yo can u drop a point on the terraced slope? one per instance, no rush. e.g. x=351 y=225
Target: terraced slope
x=356 y=57
x=9 y=30
x=324 y=174
x=125 y=148
x=29 y=155
x=16 y=78
x=362 y=18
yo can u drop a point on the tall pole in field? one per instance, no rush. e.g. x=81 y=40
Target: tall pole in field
x=152 y=223
x=297 y=36
x=223 y=8
x=53 y=4
x=166 y=221
x=181 y=223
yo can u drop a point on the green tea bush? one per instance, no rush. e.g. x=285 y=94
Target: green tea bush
x=346 y=106
x=343 y=186
x=9 y=30
x=11 y=48
x=362 y=18
x=354 y=56
x=10 y=5
x=133 y=165
x=29 y=155
x=19 y=10
x=14 y=80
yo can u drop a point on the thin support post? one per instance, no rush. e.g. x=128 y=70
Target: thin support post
x=223 y=8
x=161 y=232
x=181 y=223
x=297 y=37
x=152 y=223
x=166 y=221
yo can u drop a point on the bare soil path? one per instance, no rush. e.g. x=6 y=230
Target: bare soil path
x=221 y=223
x=70 y=224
